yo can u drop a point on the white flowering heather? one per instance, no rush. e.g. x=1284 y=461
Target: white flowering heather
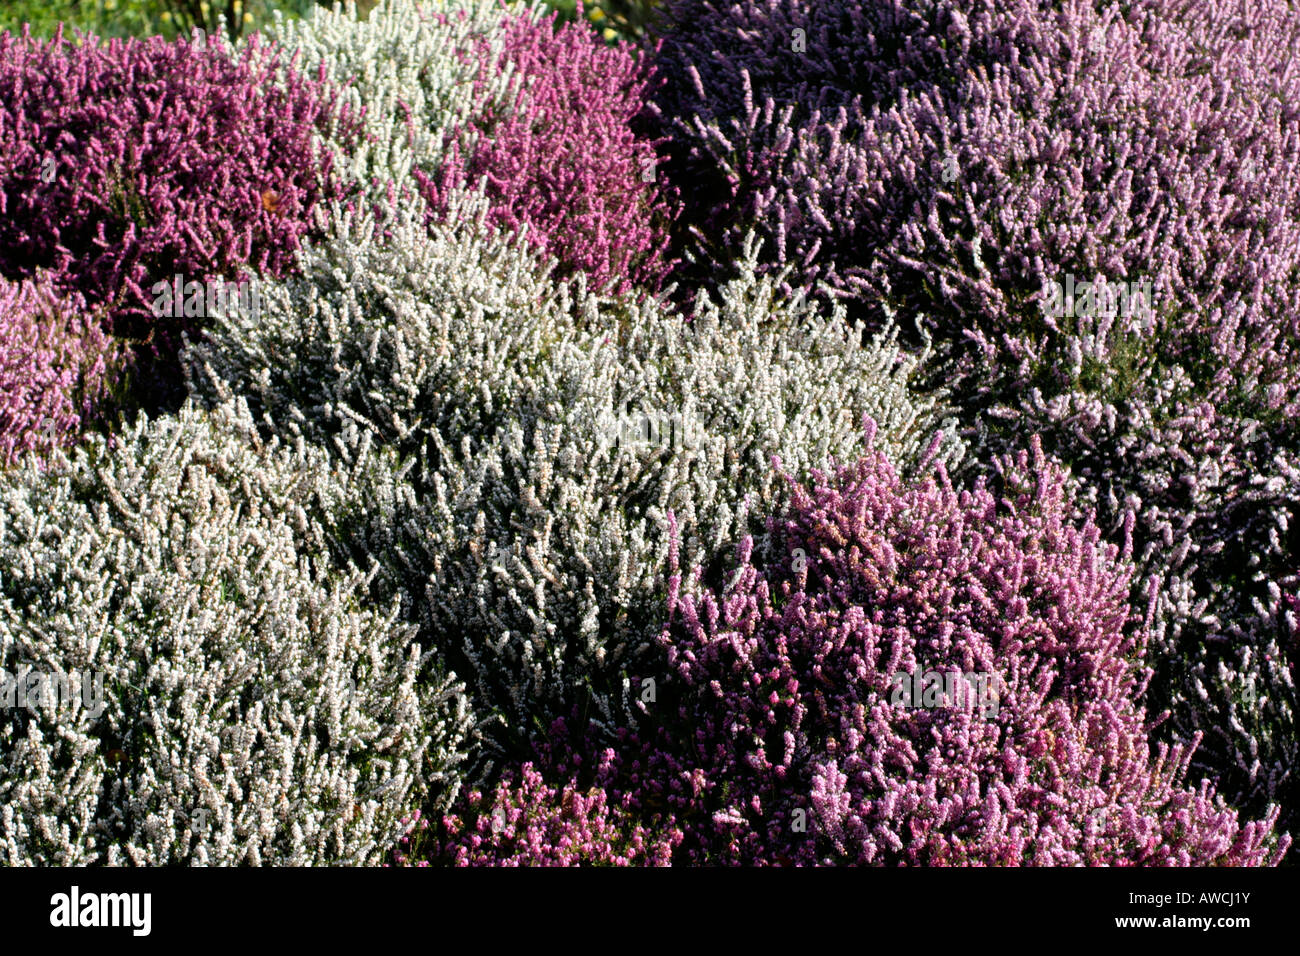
x=530 y=532
x=254 y=709
x=409 y=70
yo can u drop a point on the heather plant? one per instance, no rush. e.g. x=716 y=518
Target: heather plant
x=56 y=367
x=256 y=706
x=953 y=160
x=525 y=822
x=475 y=95
x=410 y=72
x=1288 y=609
x=563 y=163
x=123 y=163
x=780 y=738
x=525 y=528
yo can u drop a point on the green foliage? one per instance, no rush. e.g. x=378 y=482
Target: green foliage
x=617 y=20
x=42 y=15
x=138 y=18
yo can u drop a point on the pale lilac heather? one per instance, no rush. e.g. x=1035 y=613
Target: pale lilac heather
x=780 y=691
x=743 y=108
x=562 y=160
x=1149 y=140
x=526 y=822
x=1078 y=139
x=161 y=158
x=56 y=366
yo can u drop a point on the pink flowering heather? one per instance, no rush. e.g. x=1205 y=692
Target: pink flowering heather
x=126 y=162
x=783 y=738
x=948 y=161
x=528 y=823
x=55 y=368
x=563 y=161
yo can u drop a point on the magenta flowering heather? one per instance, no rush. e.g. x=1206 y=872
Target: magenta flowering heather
x=784 y=738
x=56 y=364
x=528 y=823
x=127 y=162
x=562 y=160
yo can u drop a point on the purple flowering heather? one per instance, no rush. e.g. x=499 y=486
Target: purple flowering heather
x=55 y=365
x=1081 y=142
x=126 y=162
x=950 y=160
x=563 y=161
x=783 y=737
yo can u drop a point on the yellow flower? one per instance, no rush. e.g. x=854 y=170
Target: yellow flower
x=166 y=16
x=248 y=18
x=609 y=34
x=110 y=4
x=596 y=13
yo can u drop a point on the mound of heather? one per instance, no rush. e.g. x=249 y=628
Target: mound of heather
x=789 y=729
x=124 y=163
